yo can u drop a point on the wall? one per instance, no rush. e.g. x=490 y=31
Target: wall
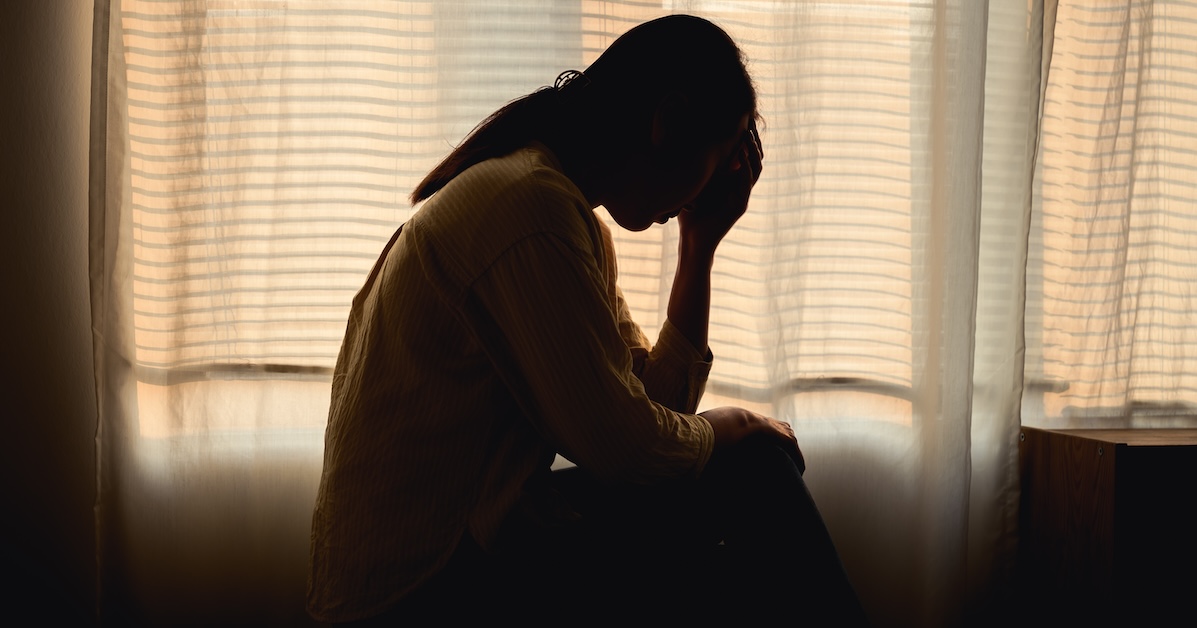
x=47 y=458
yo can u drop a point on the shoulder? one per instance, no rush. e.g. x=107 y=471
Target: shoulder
x=500 y=202
x=525 y=190
x=528 y=181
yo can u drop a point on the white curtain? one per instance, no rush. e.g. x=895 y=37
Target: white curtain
x=251 y=157
x=1112 y=327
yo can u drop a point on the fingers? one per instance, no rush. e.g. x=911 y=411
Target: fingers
x=784 y=428
x=751 y=155
x=749 y=152
x=787 y=432
x=756 y=139
x=732 y=425
x=756 y=156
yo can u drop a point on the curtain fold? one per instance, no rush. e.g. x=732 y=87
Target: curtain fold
x=894 y=290
x=1012 y=104
x=1113 y=337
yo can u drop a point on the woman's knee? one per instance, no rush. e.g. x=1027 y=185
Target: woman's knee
x=754 y=461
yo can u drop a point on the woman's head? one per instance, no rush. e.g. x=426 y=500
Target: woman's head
x=682 y=66
x=662 y=101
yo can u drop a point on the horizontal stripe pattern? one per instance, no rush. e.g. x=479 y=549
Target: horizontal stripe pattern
x=1114 y=261
x=273 y=146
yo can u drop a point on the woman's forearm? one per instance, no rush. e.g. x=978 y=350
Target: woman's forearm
x=690 y=298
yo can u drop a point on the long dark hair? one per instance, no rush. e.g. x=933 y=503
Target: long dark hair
x=613 y=102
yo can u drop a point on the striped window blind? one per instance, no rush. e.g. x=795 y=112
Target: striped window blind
x=1112 y=281
x=273 y=145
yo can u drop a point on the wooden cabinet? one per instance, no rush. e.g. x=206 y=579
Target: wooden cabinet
x=1108 y=524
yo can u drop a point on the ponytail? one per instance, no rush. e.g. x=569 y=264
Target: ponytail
x=511 y=127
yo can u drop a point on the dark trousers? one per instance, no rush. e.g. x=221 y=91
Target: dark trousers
x=744 y=544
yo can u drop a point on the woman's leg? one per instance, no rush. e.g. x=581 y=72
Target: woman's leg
x=777 y=535
x=744 y=541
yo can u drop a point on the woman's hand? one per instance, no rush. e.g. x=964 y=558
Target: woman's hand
x=733 y=425
x=703 y=223
x=706 y=220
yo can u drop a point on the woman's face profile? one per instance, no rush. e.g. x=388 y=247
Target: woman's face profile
x=657 y=187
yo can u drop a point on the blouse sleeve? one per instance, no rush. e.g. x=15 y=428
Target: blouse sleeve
x=543 y=313
x=673 y=371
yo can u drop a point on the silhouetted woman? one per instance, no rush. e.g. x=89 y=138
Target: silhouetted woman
x=491 y=336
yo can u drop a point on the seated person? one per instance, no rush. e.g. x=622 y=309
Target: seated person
x=491 y=336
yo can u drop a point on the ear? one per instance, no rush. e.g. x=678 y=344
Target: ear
x=669 y=119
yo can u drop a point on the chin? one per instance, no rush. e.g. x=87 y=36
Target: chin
x=629 y=223
x=636 y=227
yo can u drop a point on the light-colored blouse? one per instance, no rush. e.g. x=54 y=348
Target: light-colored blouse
x=489 y=337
